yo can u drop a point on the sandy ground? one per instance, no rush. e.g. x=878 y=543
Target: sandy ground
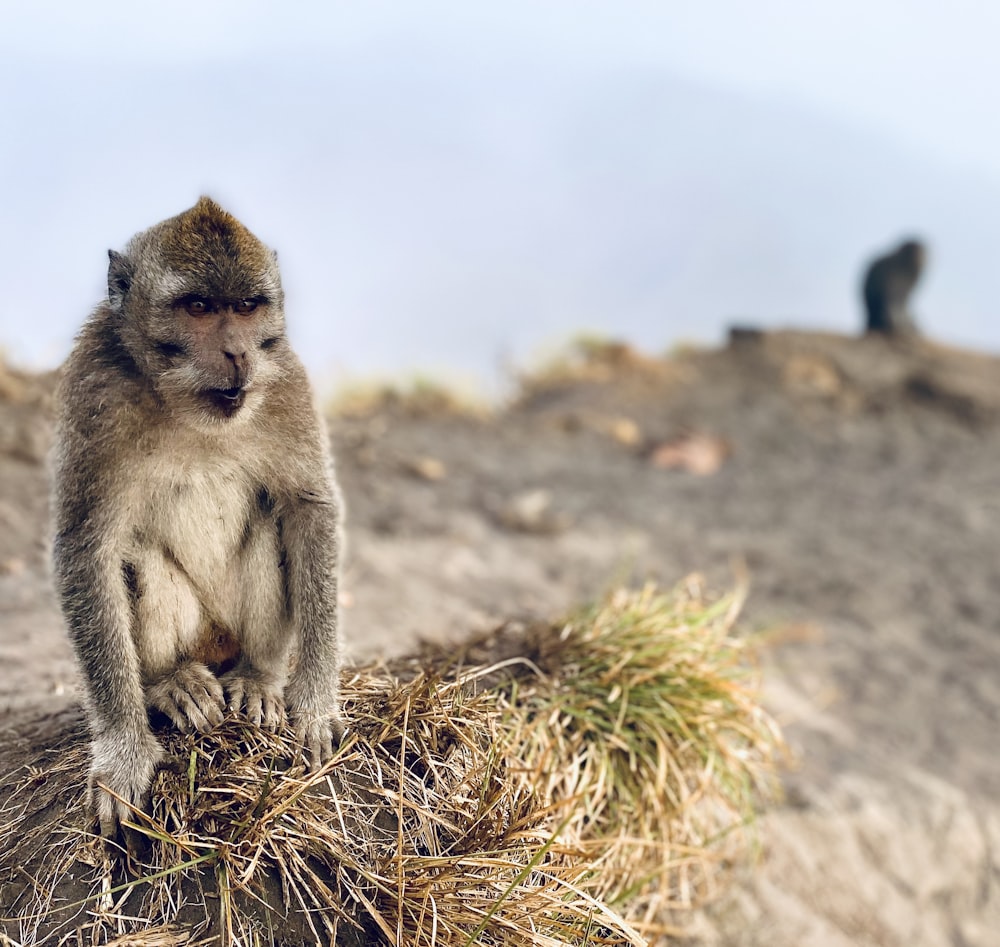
x=858 y=485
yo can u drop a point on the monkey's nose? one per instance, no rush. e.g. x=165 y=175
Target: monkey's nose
x=238 y=367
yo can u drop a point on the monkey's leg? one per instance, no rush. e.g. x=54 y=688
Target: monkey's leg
x=168 y=621
x=309 y=534
x=257 y=682
x=94 y=589
x=878 y=315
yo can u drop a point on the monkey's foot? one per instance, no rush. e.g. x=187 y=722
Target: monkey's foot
x=190 y=695
x=121 y=773
x=259 y=693
x=319 y=736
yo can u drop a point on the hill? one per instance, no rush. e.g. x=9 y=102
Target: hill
x=854 y=480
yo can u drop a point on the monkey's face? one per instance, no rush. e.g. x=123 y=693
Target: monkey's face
x=214 y=356
x=201 y=302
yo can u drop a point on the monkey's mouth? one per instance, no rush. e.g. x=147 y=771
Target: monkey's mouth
x=227 y=401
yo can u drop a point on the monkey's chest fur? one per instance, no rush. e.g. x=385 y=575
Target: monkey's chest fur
x=207 y=578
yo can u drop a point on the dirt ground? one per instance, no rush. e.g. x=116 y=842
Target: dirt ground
x=855 y=481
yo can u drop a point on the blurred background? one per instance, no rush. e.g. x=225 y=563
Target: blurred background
x=453 y=186
x=457 y=187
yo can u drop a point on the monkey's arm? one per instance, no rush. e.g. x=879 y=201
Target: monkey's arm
x=91 y=586
x=310 y=537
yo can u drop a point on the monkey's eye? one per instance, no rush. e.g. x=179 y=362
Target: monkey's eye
x=245 y=306
x=196 y=306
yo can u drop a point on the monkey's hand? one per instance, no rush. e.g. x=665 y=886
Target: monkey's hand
x=121 y=773
x=190 y=695
x=260 y=693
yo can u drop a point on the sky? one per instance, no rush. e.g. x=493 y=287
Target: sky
x=453 y=185
x=925 y=70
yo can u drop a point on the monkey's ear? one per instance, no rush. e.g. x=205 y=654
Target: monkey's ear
x=119 y=277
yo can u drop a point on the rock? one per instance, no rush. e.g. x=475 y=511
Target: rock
x=13 y=565
x=700 y=454
x=531 y=512
x=425 y=468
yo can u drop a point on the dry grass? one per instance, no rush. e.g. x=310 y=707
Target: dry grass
x=590 y=359
x=649 y=720
x=418 y=398
x=19 y=386
x=574 y=795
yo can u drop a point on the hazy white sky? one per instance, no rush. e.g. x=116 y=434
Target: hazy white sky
x=923 y=69
x=453 y=179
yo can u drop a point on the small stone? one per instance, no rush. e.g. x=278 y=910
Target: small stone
x=625 y=431
x=12 y=566
x=531 y=512
x=426 y=468
x=699 y=454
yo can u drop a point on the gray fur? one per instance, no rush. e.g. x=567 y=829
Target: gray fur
x=181 y=512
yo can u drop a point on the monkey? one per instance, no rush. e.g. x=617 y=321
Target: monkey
x=888 y=282
x=196 y=514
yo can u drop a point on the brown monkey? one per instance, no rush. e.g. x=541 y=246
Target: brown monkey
x=195 y=508
x=888 y=282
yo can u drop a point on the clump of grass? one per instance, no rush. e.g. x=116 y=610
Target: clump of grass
x=571 y=795
x=418 y=398
x=20 y=386
x=589 y=358
x=648 y=717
